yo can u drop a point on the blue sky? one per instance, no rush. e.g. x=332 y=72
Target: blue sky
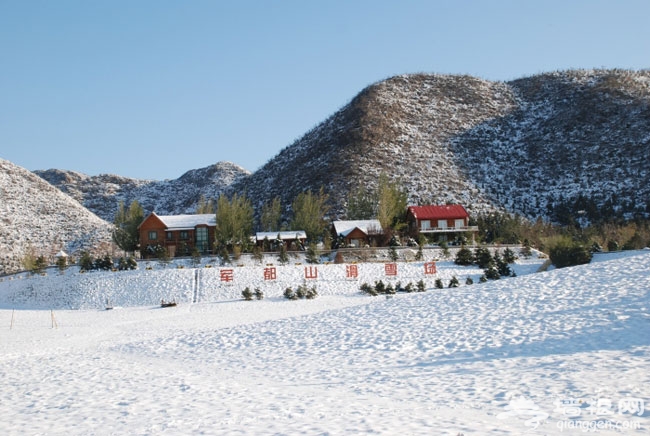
x=151 y=89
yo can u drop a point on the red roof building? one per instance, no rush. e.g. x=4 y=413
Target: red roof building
x=444 y=222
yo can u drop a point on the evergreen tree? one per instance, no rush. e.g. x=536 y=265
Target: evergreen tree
x=501 y=265
x=311 y=255
x=283 y=257
x=483 y=258
x=464 y=257
x=85 y=261
x=509 y=256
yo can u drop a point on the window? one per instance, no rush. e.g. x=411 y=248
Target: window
x=460 y=223
x=184 y=235
x=202 y=239
x=442 y=224
x=425 y=224
x=170 y=236
x=153 y=235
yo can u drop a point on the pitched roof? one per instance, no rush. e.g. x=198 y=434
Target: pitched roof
x=448 y=211
x=186 y=222
x=366 y=226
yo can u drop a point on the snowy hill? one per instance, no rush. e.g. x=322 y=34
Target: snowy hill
x=36 y=217
x=561 y=352
x=549 y=145
x=102 y=194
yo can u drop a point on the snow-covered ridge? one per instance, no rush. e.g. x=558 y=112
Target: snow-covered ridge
x=102 y=194
x=35 y=216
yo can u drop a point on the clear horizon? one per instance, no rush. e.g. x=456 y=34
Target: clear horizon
x=150 y=90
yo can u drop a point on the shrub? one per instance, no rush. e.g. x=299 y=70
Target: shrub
x=389 y=289
x=289 y=294
x=311 y=293
x=464 y=257
x=453 y=283
x=509 y=256
x=420 y=285
x=301 y=291
x=409 y=288
x=469 y=281
x=392 y=253
x=259 y=294
x=482 y=257
x=483 y=279
x=491 y=273
x=380 y=288
x=439 y=284
x=568 y=253
x=367 y=289
x=612 y=245
x=247 y=294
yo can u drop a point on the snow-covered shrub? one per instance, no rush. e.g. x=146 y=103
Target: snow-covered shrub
x=453 y=283
x=247 y=294
x=464 y=257
x=289 y=294
x=439 y=283
x=259 y=294
x=568 y=253
x=420 y=285
x=368 y=289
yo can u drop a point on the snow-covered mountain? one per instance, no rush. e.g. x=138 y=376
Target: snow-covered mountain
x=549 y=145
x=102 y=194
x=38 y=218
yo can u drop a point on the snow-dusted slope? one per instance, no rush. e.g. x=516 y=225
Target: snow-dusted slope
x=550 y=145
x=560 y=352
x=102 y=194
x=35 y=216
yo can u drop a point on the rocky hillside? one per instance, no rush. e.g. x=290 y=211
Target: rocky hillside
x=102 y=194
x=560 y=145
x=38 y=218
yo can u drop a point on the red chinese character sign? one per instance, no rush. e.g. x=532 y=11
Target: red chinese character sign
x=390 y=269
x=227 y=275
x=270 y=273
x=430 y=268
x=311 y=272
x=351 y=271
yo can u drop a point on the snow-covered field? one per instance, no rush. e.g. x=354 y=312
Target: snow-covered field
x=564 y=351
